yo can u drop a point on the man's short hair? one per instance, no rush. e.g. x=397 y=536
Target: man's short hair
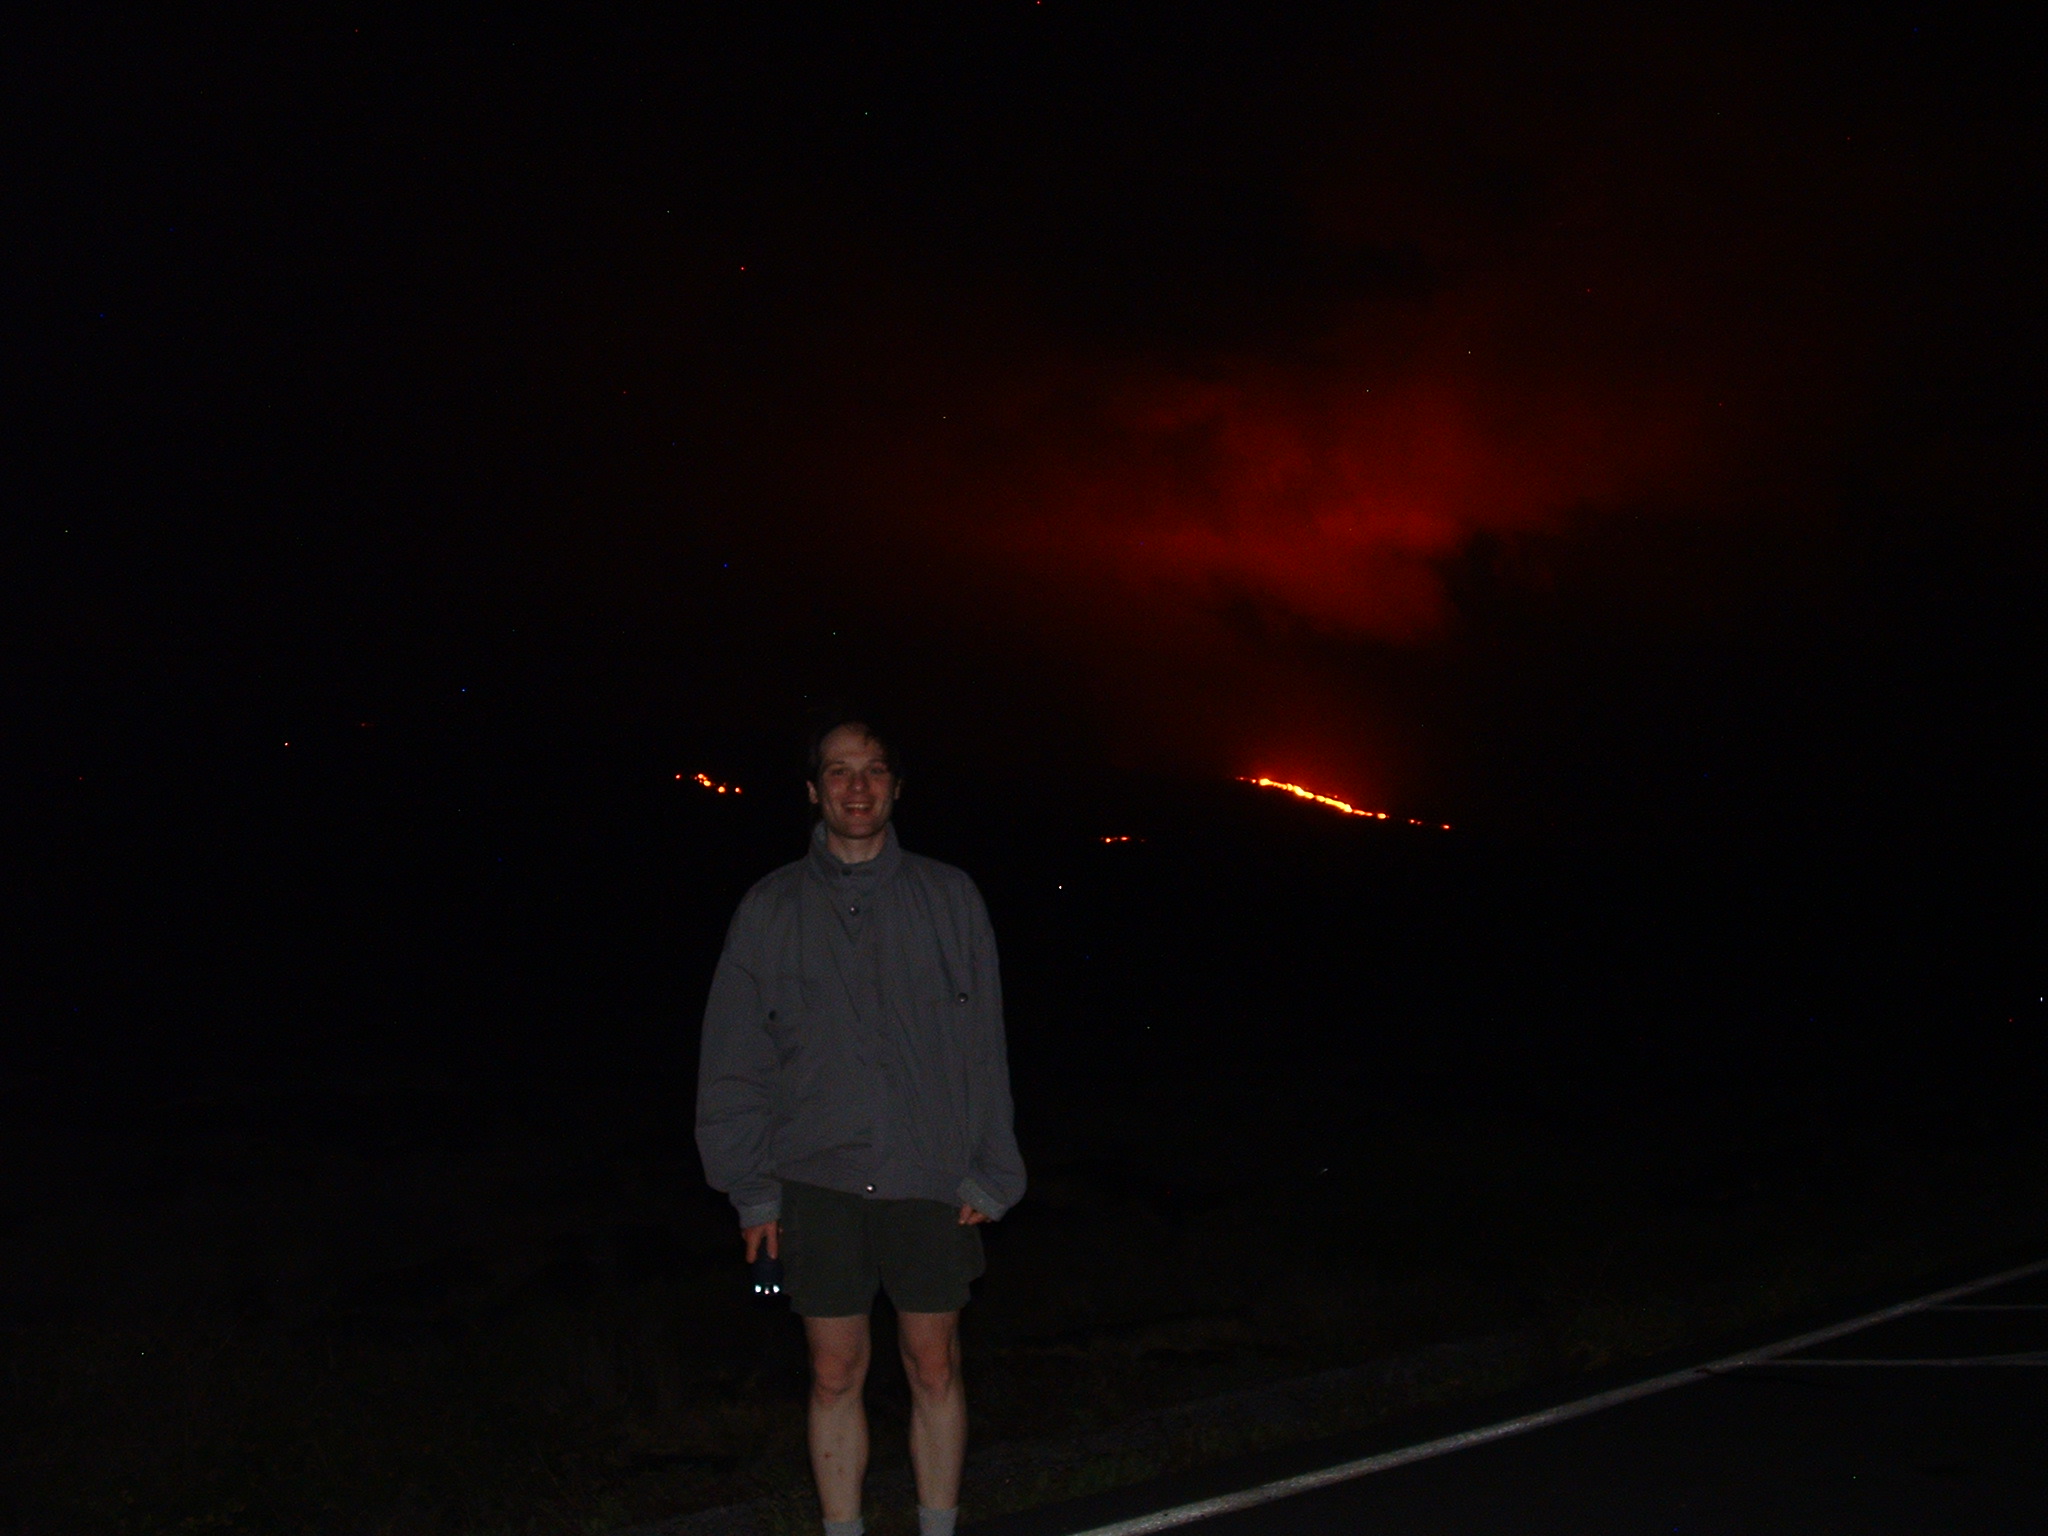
x=814 y=757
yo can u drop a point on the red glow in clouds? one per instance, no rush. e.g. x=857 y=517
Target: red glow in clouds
x=1325 y=500
x=1509 y=358
x=1216 y=559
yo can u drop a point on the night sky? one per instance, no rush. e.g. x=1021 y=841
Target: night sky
x=1603 y=424
x=437 y=449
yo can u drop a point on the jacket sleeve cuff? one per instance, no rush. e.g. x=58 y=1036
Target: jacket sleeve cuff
x=973 y=1194
x=761 y=1212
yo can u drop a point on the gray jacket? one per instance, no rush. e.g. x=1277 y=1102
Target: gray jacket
x=854 y=1040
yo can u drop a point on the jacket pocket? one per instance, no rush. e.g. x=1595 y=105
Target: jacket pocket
x=791 y=1003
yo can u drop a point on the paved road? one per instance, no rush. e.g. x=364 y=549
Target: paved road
x=1792 y=1446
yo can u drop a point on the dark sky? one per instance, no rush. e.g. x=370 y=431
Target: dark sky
x=1568 y=420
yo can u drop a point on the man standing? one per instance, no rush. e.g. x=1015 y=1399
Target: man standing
x=853 y=1100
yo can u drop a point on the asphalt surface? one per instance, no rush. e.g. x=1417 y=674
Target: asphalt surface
x=1880 y=1445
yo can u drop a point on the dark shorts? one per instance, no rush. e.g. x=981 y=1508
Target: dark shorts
x=838 y=1249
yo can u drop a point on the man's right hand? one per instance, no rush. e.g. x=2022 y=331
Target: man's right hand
x=769 y=1232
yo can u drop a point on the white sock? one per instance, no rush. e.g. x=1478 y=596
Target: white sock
x=854 y=1527
x=936 y=1522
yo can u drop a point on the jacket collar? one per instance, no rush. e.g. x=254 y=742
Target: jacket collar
x=878 y=869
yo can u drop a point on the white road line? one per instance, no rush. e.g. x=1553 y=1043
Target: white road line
x=1992 y=1306
x=2039 y=1357
x=1344 y=1472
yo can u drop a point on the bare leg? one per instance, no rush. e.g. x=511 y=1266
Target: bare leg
x=838 y=1420
x=938 y=1404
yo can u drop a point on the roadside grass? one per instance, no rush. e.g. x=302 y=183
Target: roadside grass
x=541 y=1327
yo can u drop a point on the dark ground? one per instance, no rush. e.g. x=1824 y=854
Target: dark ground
x=352 y=1186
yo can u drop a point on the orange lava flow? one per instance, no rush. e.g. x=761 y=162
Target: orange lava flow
x=712 y=784
x=1302 y=792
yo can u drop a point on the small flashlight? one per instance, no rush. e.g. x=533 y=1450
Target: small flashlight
x=767 y=1273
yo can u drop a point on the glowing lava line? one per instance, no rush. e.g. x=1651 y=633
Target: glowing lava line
x=710 y=783
x=1302 y=792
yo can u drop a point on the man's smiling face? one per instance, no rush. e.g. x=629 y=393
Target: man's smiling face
x=856 y=788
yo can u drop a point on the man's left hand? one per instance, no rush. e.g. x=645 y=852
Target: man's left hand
x=970 y=1217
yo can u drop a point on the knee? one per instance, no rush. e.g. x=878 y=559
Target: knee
x=837 y=1374
x=932 y=1369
